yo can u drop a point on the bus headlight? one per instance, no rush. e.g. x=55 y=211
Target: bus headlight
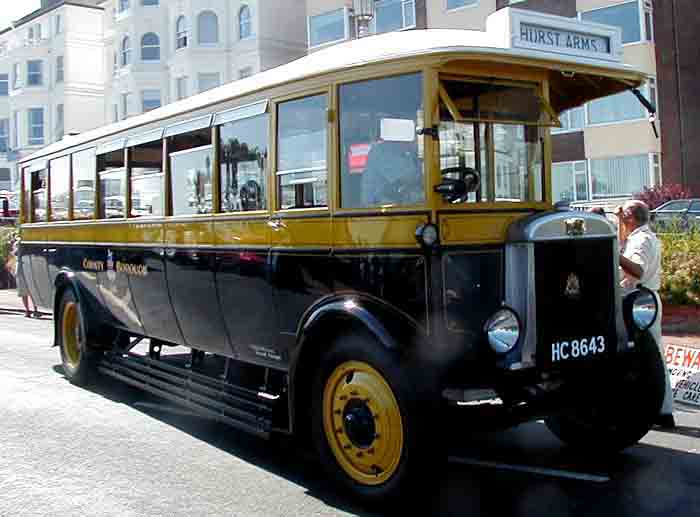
x=642 y=308
x=503 y=330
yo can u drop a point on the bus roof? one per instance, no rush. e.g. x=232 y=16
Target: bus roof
x=496 y=44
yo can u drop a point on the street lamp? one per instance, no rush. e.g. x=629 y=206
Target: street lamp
x=363 y=12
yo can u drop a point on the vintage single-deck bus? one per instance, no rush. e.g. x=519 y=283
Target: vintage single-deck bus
x=359 y=248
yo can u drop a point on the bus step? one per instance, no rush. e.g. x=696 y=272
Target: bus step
x=205 y=396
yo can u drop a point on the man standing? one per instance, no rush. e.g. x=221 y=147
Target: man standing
x=640 y=261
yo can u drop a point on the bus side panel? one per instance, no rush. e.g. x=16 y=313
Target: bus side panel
x=399 y=278
x=151 y=297
x=247 y=303
x=115 y=290
x=193 y=293
x=40 y=276
x=299 y=279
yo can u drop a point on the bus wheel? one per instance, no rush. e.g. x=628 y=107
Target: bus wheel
x=365 y=420
x=79 y=361
x=623 y=412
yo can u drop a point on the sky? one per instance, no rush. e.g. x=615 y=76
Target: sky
x=11 y=10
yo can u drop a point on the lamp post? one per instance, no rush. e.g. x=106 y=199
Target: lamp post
x=363 y=12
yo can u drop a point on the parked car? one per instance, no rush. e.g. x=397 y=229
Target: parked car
x=680 y=214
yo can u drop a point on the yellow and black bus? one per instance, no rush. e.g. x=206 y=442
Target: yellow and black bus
x=358 y=248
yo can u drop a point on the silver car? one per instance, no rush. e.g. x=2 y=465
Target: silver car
x=678 y=214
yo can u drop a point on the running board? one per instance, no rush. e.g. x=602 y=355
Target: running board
x=204 y=396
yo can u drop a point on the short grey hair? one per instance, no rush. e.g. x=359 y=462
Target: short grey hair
x=639 y=210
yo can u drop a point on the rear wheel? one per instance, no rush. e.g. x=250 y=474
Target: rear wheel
x=369 y=421
x=78 y=359
x=624 y=411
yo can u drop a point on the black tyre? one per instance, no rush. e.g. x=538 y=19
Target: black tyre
x=78 y=359
x=623 y=411
x=371 y=421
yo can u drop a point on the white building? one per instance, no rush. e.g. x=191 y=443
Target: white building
x=161 y=51
x=51 y=78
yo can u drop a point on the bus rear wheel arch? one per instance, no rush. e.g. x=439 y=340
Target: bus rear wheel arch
x=369 y=420
x=78 y=359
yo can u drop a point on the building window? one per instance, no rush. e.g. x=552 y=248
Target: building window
x=245 y=27
x=625 y=16
x=149 y=2
x=181 y=88
x=4 y=135
x=620 y=107
x=302 y=173
x=150 y=47
x=34 y=73
x=60 y=122
x=181 y=33
x=36 y=126
x=123 y=5
x=126 y=51
x=619 y=176
x=4 y=85
x=207 y=81
x=125 y=105
x=456 y=4
x=392 y=15
x=58 y=25
x=328 y=27
x=34 y=34
x=245 y=72
x=207 y=28
x=569 y=181
x=150 y=100
x=571 y=120
x=59 y=69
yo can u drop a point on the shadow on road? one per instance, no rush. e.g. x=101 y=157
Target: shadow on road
x=645 y=480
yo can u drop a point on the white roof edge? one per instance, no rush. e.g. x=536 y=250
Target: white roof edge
x=371 y=50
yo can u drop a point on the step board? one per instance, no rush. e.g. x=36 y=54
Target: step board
x=209 y=397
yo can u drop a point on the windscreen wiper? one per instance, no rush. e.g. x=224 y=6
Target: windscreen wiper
x=649 y=107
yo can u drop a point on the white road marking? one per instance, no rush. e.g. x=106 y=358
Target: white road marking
x=532 y=470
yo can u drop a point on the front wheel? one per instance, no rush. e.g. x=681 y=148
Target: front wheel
x=624 y=411
x=78 y=359
x=367 y=421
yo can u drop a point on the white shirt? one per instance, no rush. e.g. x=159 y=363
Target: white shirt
x=644 y=249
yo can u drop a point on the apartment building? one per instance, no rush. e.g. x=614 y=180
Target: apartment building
x=160 y=51
x=51 y=79
x=605 y=150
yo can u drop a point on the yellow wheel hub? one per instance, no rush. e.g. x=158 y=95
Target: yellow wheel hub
x=70 y=328
x=362 y=422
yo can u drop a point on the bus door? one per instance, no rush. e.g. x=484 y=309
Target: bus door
x=190 y=254
x=300 y=259
x=149 y=286
x=35 y=264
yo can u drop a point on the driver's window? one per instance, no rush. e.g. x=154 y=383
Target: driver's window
x=380 y=154
x=491 y=137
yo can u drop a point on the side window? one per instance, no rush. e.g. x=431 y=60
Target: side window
x=675 y=205
x=27 y=195
x=191 y=165
x=39 y=193
x=59 y=175
x=112 y=185
x=244 y=164
x=302 y=174
x=147 y=179
x=380 y=156
x=84 y=164
x=695 y=207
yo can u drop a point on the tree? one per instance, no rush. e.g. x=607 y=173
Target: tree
x=658 y=195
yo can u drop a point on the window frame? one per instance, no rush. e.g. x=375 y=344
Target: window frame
x=572 y=164
x=644 y=90
x=125 y=51
x=378 y=5
x=346 y=30
x=30 y=125
x=199 y=81
x=248 y=20
x=641 y=19
x=60 y=70
x=74 y=188
x=69 y=188
x=591 y=178
x=40 y=73
x=5 y=136
x=5 y=92
x=182 y=33
x=448 y=9
x=150 y=46
x=216 y=41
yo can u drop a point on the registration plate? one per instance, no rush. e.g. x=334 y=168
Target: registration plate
x=577 y=348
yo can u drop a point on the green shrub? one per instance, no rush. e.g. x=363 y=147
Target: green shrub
x=5 y=244
x=680 y=279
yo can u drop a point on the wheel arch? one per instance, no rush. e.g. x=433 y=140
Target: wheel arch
x=389 y=327
x=66 y=279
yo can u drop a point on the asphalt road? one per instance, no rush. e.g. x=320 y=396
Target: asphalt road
x=110 y=451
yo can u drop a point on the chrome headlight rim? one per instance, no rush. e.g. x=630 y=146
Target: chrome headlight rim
x=502 y=318
x=637 y=305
